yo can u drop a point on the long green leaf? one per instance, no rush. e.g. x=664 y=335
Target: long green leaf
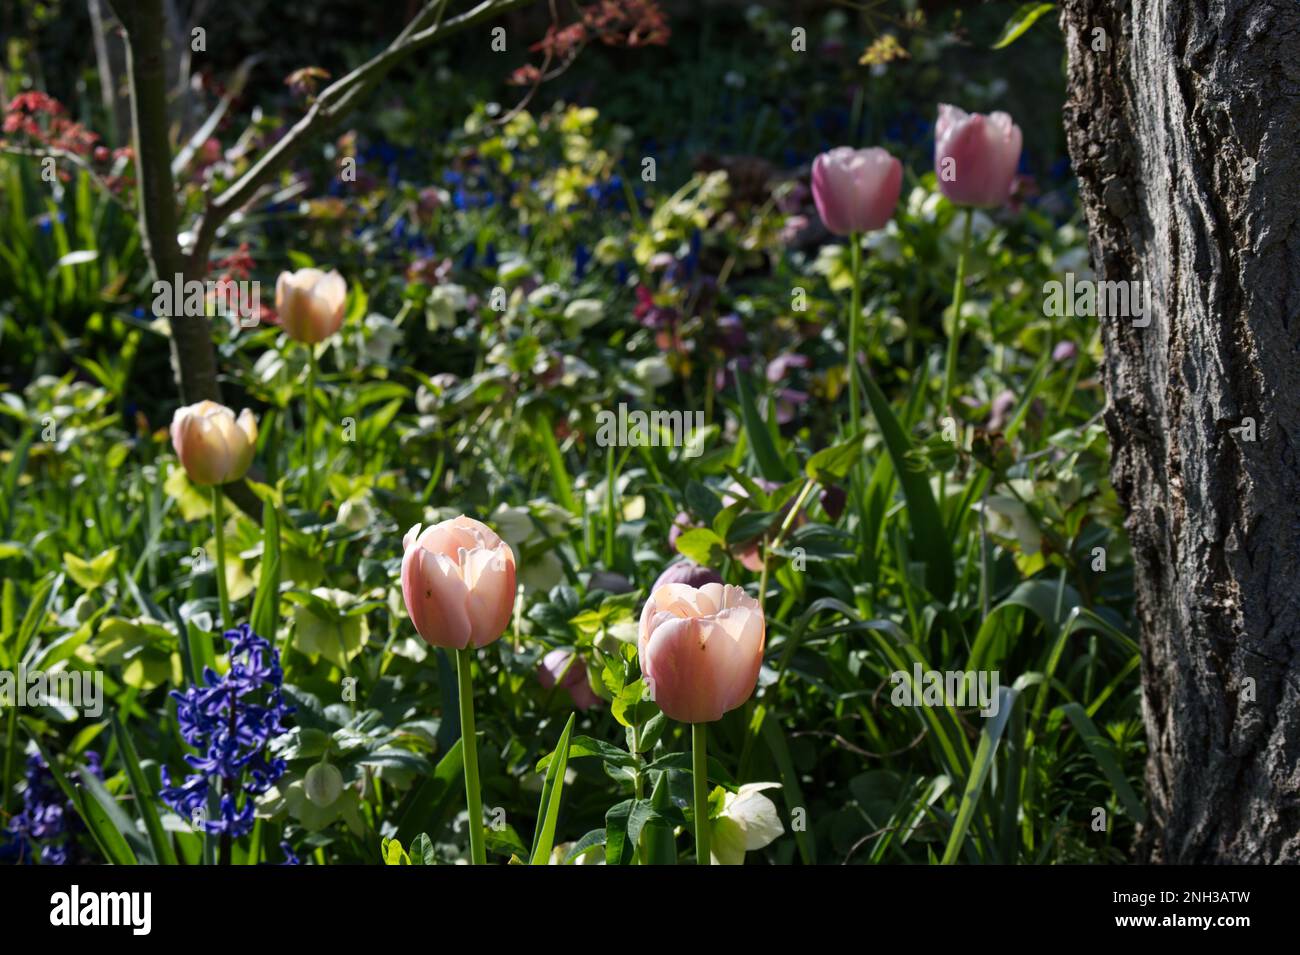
x=548 y=813
x=144 y=796
x=928 y=537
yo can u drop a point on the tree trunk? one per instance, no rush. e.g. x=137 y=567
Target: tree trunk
x=1182 y=130
x=194 y=358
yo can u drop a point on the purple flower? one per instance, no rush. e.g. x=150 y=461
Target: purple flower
x=48 y=821
x=231 y=720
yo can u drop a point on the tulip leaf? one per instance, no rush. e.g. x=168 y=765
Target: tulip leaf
x=928 y=537
x=761 y=444
x=266 y=605
x=145 y=798
x=548 y=813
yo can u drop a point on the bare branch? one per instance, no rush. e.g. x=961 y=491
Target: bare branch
x=333 y=103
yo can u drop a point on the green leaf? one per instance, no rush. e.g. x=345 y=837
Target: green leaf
x=702 y=546
x=928 y=537
x=266 y=605
x=548 y=812
x=1100 y=749
x=831 y=465
x=764 y=449
x=585 y=746
x=979 y=772
x=1024 y=17
x=660 y=842
x=145 y=798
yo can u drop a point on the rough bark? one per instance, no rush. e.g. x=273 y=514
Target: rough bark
x=1183 y=133
x=193 y=356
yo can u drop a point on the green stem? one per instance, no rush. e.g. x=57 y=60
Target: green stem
x=700 y=777
x=219 y=530
x=469 y=750
x=308 y=420
x=958 y=289
x=855 y=315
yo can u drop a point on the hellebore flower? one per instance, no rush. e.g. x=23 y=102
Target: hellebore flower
x=310 y=304
x=458 y=581
x=214 y=446
x=975 y=156
x=700 y=649
x=748 y=822
x=856 y=190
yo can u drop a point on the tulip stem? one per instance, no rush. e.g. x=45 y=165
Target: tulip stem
x=958 y=290
x=219 y=531
x=308 y=420
x=700 y=777
x=855 y=315
x=469 y=752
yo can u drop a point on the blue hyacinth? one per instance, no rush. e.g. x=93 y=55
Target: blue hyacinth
x=231 y=720
x=48 y=821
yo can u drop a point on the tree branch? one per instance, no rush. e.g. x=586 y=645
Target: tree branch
x=334 y=102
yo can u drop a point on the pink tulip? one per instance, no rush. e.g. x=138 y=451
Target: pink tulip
x=214 y=446
x=856 y=190
x=310 y=303
x=572 y=677
x=700 y=649
x=975 y=156
x=458 y=581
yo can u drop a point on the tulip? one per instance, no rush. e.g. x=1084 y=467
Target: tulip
x=215 y=447
x=975 y=156
x=700 y=651
x=856 y=190
x=310 y=303
x=560 y=667
x=975 y=159
x=458 y=582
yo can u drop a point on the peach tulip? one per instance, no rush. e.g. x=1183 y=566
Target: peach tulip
x=310 y=303
x=975 y=156
x=700 y=649
x=214 y=446
x=856 y=190
x=458 y=581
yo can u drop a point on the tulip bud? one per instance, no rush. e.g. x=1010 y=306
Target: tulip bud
x=689 y=573
x=214 y=446
x=700 y=649
x=856 y=190
x=310 y=303
x=571 y=677
x=458 y=582
x=975 y=156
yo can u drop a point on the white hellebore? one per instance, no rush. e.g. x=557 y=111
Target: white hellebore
x=748 y=822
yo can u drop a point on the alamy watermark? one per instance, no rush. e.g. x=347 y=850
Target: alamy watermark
x=946 y=688
x=224 y=298
x=80 y=689
x=651 y=429
x=1131 y=299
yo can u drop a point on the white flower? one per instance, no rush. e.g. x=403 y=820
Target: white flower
x=748 y=822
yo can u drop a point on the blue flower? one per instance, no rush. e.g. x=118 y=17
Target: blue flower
x=231 y=721
x=47 y=820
